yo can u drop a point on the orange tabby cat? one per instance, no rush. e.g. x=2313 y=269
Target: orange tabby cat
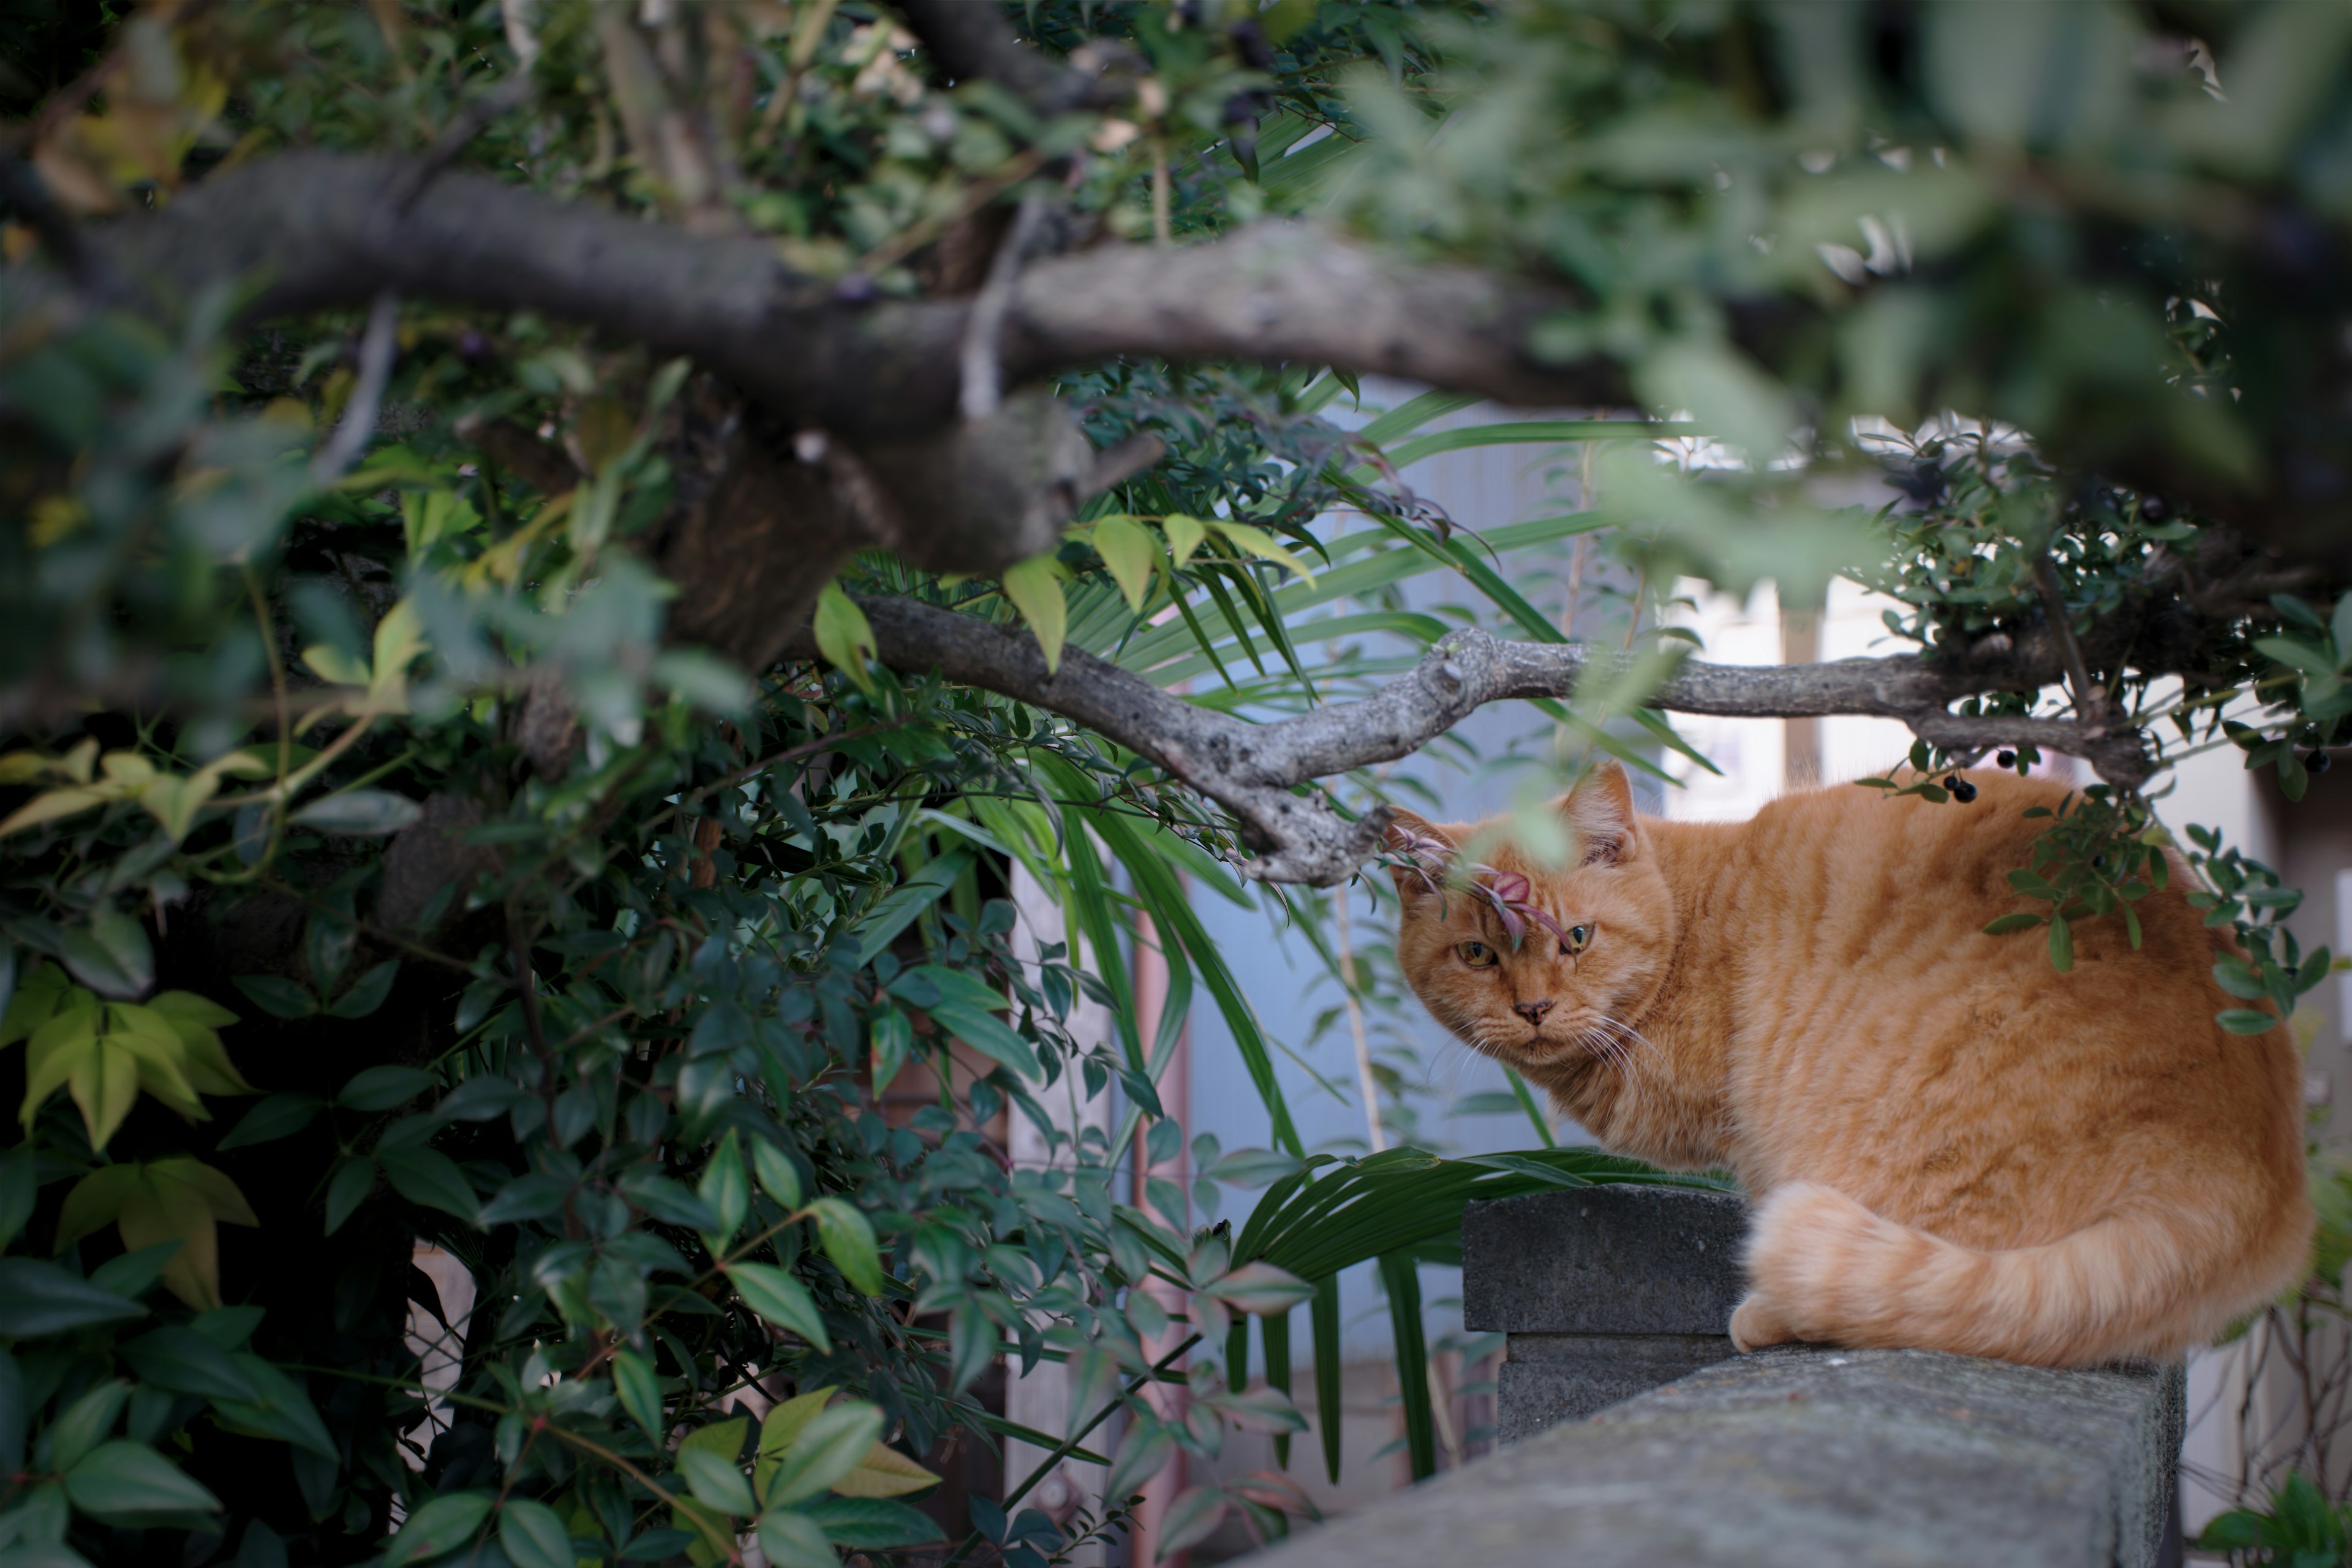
x=1949 y=1144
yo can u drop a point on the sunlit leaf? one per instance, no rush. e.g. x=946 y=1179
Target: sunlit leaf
x=1035 y=588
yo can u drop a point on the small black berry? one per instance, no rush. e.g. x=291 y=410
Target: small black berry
x=2007 y=759
x=2316 y=763
x=473 y=347
x=1962 y=790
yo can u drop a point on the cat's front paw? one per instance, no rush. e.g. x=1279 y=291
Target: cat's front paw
x=1757 y=1324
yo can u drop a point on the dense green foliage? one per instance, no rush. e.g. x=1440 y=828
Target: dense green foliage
x=373 y=870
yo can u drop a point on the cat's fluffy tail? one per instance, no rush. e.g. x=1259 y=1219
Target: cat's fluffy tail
x=1828 y=1270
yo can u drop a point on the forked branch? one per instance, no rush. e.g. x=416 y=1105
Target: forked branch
x=1256 y=770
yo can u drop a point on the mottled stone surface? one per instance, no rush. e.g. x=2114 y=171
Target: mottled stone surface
x=1602 y=1292
x=1605 y=1261
x=1547 y=1379
x=1803 y=1458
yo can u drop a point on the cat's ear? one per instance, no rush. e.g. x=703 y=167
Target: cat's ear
x=1426 y=843
x=1599 y=812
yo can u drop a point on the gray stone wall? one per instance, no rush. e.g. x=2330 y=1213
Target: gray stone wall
x=1603 y=1292
x=1641 y=1438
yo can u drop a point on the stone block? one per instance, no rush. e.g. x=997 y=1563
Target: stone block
x=1802 y=1458
x=1546 y=1379
x=1605 y=1261
x=1601 y=1292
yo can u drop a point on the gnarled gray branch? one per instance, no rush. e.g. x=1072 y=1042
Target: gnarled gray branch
x=322 y=230
x=1255 y=771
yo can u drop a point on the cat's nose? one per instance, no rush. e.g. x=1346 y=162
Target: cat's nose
x=1533 y=1011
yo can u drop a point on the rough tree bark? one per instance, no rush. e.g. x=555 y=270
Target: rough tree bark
x=1253 y=769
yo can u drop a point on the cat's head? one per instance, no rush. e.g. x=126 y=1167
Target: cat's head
x=1551 y=996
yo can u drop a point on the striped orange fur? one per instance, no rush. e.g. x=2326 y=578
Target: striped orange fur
x=1950 y=1143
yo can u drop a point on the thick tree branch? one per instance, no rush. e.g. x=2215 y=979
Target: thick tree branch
x=1253 y=769
x=323 y=231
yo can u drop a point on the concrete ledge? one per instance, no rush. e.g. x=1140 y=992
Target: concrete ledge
x=1801 y=1458
x=1618 y=1300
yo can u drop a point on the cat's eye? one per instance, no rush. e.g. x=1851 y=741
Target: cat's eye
x=1578 y=938
x=1476 y=955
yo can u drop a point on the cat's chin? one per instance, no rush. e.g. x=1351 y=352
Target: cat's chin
x=1540 y=1053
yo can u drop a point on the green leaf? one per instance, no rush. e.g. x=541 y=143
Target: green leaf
x=1402 y=1281
x=111 y=954
x=790 y=1539
x=2005 y=924
x=716 y=1482
x=1034 y=589
x=990 y=1036
x=906 y=902
x=359 y=812
x=37 y=1299
x=871 y=1524
x=2062 y=945
x=347 y=1189
x=178 y=1358
x=779 y=1427
x=640 y=1395
x=1259 y=1288
x=278 y=1116
x=20 y=1190
x=724 y=1191
x=281 y=1408
x=1258 y=542
x=134 y=1274
x=1143 y=1453
x=844 y=636
x=2300 y=655
x=1257 y=1167
x=1127 y=548
x=130 y=1484
x=533 y=1535
x=830 y=1445
x=367 y=993
x=81 y=1426
x=2246 y=1020
x=430 y=1179
x=441 y=1526
x=381 y=1089
x=778 y=1178
x=1191 y=1518
x=780 y=1299
x=277 y=997
x=848 y=1238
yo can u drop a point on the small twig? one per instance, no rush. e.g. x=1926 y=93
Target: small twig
x=981 y=192
x=1070 y=1444
x=468 y=122
x=981 y=385
x=2090 y=701
x=374 y=932
x=526 y=984
x=377 y=347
